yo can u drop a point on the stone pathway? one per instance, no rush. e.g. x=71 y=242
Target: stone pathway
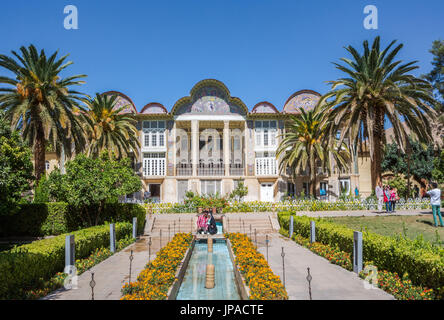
x=110 y=275
x=329 y=281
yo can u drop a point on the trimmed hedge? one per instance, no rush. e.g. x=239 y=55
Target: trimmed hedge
x=54 y=218
x=26 y=266
x=423 y=262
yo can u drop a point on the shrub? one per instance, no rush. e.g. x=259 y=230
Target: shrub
x=423 y=261
x=23 y=268
x=54 y=218
x=400 y=288
x=263 y=283
x=155 y=280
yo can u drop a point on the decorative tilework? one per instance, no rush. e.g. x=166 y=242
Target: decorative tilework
x=305 y=100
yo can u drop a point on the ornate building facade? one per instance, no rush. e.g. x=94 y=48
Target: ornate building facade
x=210 y=141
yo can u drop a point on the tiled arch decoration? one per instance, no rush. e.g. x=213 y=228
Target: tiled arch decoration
x=123 y=100
x=154 y=108
x=264 y=107
x=306 y=99
x=209 y=97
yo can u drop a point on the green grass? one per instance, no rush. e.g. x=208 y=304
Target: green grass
x=410 y=226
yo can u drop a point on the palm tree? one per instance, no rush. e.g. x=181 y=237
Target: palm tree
x=378 y=88
x=306 y=143
x=40 y=103
x=109 y=129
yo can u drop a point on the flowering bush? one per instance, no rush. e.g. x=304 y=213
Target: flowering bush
x=263 y=283
x=82 y=265
x=342 y=204
x=400 y=288
x=423 y=261
x=334 y=255
x=155 y=280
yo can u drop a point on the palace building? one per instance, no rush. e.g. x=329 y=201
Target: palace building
x=210 y=141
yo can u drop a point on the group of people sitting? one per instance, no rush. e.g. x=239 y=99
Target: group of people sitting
x=206 y=224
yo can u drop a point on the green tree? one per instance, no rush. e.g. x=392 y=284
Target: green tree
x=239 y=192
x=109 y=129
x=436 y=78
x=438 y=168
x=421 y=160
x=15 y=167
x=40 y=103
x=306 y=143
x=93 y=182
x=378 y=88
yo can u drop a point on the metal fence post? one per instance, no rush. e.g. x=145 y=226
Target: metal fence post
x=112 y=237
x=312 y=232
x=283 y=265
x=357 y=252
x=290 y=233
x=70 y=251
x=134 y=227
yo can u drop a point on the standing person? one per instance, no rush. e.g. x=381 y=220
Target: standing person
x=435 y=201
x=379 y=195
x=356 y=192
x=387 y=194
x=393 y=198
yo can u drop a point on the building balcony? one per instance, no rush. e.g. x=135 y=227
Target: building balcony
x=217 y=169
x=184 y=169
x=237 y=169
x=266 y=167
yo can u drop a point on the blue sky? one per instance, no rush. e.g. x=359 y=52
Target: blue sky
x=155 y=51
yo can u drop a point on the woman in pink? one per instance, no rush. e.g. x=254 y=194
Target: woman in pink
x=393 y=198
x=202 y=223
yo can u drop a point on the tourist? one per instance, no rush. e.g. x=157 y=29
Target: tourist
x=202 y=223
x=435 y=201
x=379 y=195
x=393 y=198
x=212 y=228
x=323 y=194
x=387 y=194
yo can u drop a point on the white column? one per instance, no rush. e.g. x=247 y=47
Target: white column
x=195 y=145
x=227 y=147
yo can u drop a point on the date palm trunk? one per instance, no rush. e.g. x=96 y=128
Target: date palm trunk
x=375 y=167
x=39 y=152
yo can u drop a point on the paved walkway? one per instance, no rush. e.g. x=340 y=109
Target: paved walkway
x=329 y=281
x=110 y=275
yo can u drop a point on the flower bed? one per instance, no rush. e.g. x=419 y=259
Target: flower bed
x=263 y=283
x=345 y=204
x=423 y=261
x=390 y=282
x=82 y=265
x=401 y=288
x=155 y=280
x=25 y=267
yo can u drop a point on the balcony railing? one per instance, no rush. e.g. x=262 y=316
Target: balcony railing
x=217 y=169
x=184 y=169
x=237 y=169
x=266 y=166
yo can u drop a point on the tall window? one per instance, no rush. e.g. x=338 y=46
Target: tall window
x=266 y=132
x=154 y=134
x=154 y=164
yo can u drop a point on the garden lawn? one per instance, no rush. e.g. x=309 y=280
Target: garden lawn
x=410 y=226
